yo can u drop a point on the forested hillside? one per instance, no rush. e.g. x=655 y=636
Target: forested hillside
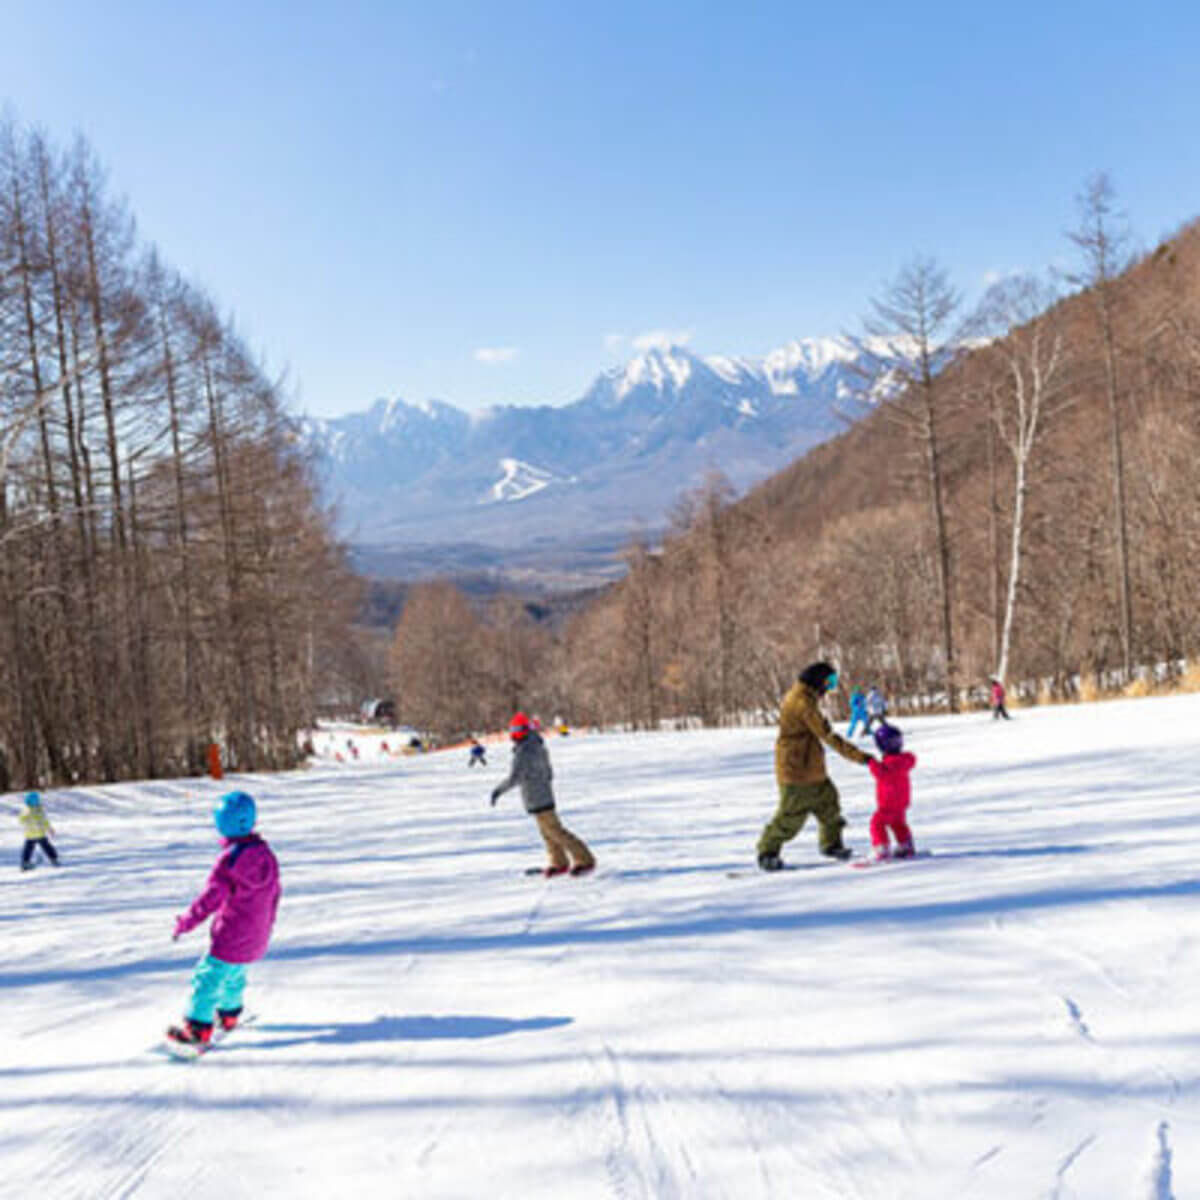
x=1023 y=501
x=1071 y=492
x=1064 y=434
x=166 y=577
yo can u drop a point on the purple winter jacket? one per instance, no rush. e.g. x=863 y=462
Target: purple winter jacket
x=243 y=890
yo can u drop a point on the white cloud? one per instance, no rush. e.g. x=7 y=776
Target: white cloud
x=662 y=339
x=994 y=277
x=494 y=356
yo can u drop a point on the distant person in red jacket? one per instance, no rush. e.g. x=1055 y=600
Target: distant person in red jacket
x=998 y=709
x=893 y=792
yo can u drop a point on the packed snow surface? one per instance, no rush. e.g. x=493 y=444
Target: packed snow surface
x=1013 y=1017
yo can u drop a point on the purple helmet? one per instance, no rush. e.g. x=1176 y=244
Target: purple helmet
x=889 y=739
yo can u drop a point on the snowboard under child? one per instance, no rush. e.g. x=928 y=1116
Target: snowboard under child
x=243 y=893
x=531 y=771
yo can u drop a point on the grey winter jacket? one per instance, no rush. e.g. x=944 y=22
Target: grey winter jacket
x=531 y=771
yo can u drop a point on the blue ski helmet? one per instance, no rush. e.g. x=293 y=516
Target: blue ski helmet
x=32 y=799
x=889 y=739
x=235 y=814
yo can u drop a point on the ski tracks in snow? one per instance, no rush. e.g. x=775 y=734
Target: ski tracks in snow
x=1156 y=1179
x=1158 y=1175
x=1075 y=1016
x=138 y=1172
x=637 y=1160
x=134 y=1143
x=534 y=911
x=1066 y=1164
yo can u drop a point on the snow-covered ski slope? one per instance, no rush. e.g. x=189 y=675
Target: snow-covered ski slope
x=1017 y=1016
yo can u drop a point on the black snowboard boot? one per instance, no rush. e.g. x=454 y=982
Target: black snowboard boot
x=770 y=862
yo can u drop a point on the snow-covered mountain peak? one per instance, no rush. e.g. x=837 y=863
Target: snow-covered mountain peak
x=733 y=370
x=390 y=414
x=394 y=414
x=642 y=433
x=661 y=368
x=811 y=357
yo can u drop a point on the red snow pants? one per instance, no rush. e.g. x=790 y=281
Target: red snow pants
x=890 y=816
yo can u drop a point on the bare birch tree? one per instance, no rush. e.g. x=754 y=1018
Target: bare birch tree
x=1020 y=316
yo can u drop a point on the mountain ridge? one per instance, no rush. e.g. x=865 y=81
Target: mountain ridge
x=539 y=483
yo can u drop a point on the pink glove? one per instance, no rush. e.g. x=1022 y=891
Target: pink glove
x=181 y=927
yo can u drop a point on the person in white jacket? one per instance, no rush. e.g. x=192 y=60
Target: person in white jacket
x=876 y=708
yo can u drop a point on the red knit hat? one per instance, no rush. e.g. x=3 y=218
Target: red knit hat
x=519 y=726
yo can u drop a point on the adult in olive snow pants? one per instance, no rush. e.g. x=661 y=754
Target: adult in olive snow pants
x=796 y=802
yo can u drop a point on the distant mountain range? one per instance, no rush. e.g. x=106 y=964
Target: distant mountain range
x=550 y=494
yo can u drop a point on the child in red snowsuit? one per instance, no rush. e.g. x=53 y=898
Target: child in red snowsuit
x=893 y=791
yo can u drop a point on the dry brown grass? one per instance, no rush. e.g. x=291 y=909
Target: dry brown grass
x=1047 y=696
x=1090 y=690
x=1138 y=688
x=1189 y=681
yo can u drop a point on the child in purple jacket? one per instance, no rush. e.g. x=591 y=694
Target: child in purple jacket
x=243 y=891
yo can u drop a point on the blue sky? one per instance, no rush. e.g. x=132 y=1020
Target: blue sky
x=488 y=202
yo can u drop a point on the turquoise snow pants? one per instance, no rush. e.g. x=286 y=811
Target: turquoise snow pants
x=215 y=985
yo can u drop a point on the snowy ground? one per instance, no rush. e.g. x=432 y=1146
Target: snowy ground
x=1014 y=1017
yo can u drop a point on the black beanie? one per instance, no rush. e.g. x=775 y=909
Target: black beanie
x=816 y=675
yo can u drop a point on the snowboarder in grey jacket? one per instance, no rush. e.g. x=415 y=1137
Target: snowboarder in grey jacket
x=532 y=773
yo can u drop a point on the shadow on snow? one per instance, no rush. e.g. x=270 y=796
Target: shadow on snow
x=403 y=1029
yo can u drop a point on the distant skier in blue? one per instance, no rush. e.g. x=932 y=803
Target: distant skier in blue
x=858 y=712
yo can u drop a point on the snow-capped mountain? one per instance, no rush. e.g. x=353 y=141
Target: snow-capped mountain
x=427 y=486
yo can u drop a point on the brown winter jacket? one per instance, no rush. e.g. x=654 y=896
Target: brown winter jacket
x=799 y=755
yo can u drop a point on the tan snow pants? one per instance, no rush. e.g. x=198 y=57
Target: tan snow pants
x=562 y=846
